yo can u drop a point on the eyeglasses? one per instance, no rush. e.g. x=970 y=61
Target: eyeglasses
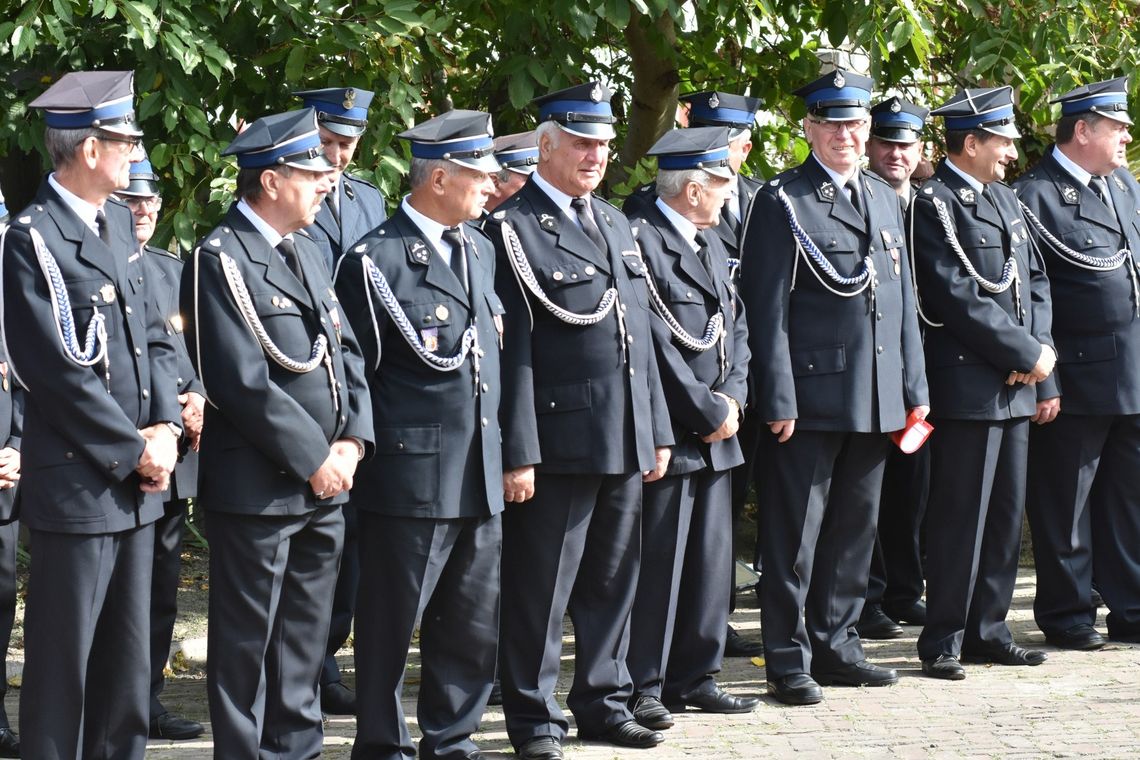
x=833 y=127
x=134 y=144
x=150 y=203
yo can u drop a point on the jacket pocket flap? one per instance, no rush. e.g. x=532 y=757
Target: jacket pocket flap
x=562 y=398
x=408 y=440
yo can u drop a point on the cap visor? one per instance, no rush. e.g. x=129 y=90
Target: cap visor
x=841 y=113
x=721 y=171
x=526 y=171
x=590 y=129
x=127 y=129
x=1003 y=130
x=895 y=135
x=485 y=163
x=344 y=130
x=315 y=164
x=1121 y=116
x=143 y=188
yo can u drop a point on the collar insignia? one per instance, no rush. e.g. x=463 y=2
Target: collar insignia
x=967 y=195
x=839 y=80
x=499 y=215
x=216 y=242
x=420 y=252
x=1069 y=193
x=596 y=93
x=1119 y=182
x=827 y=190
x=546 y=220
x=714 y=101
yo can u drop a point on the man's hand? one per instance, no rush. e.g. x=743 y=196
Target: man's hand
x=159 y=456
x=730 y=425
x=193 y=412
x=920 y=412
x=335 y=474
x=9 y=468
x=661 y=456
x=1047 y=410
x=783 y=429
x=1044 y=367
x=518 y=484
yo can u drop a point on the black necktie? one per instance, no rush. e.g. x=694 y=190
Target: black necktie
x=101 y=226
x=289 y=253
x=330 y=199
x=703 y=251
x=856 y=201
x=453 y=236
x=728 y=214
x=1100 y=187
x=589 y=226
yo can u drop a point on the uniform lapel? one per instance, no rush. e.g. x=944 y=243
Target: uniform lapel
x=260 y=252
x=421 y=253
x=835 y=197
x=567 y=235
x=676 y=245
x=1074 y=193
x=91 y=250
x=970 y=198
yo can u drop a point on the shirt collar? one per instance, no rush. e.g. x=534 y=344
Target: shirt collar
x=561 y=199
x=971 y=180
x=687 y=229
x=1079 y=174
x=430 y=228
x=84 y=210
x=836 y=177
x=272 y=236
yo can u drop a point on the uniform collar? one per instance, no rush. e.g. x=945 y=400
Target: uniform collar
x=836 y=177
x=271 y=235
x=967 y=178
x=1066 y=163
x=560 y=199
x=429 y=228
x=687 y=229
x=84 y=210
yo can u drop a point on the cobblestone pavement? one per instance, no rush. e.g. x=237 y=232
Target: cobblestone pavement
x=1074 y=705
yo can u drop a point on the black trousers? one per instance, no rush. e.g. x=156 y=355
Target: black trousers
x=271 y=587
x=755 y=442
x=86 y=646
x=896 y=576
x=9 y=538
x=168 y=532
x=816 y=538
x=1084 y=510
x=344 y=597
x=973 y=529
x=575 y=547
x=446 y=573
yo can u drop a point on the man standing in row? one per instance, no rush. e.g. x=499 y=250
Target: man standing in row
x=420 y=293
x=894 y=589
x=584 y=420
x=288 y=420
x=1084 y=477
x=680 y=615
x=837 y=364
x=162 y=272
x=985 y=301
x=100 y=434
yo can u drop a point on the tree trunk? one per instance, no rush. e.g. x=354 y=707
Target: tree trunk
x=653 y=99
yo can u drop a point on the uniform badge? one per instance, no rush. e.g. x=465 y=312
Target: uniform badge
x=896 y=106
x=420 y=252
x=349 y=192
x=332 y=296
x=1069 y=193
x=441 y=312
x=714 y=101
x=4 y=370
x=596 y=93
x=967 y=195
x=1119 y=182
x=334 y=315
x=176 y=322
x=349 y=98
x=499 y=215
x=839 y=80
x=827 y=190
x=216 y=243
x=107 y=293
x=430 y=337
x=546 y=221
x=774 y=183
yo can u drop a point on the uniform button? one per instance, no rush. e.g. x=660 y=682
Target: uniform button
x=400 y=445
x=629 y=338
x=114 y=465
x=486 y=387
x=811 y=368
x=140 y=280
x=1088 y=241
x=589 y=270
x=688 y=294
x=94 y=299
x=145 y=394
x=574 y=276
x=338 y=385
x=872 y=249
x=69 y=455
x=879 y=350
x=322 y=320
x=180 y=381
x=981 y=240
x=169 y=331
x=332 y=352
x=961 y=358
x=553 y=404
x=130 y=310
x=1080 y=354
x=631 y=372
x=344 y=419
x=138 y=351
x=878 y=315
x=483 y=422
x=557 y=276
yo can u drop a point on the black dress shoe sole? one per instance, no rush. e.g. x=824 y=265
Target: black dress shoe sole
x=542 y=750
x=946 y=674
x=794 y=698
x=880 y=633
x=985 y=659
x=842 y=679
x=614 y=737
x=1076 y=643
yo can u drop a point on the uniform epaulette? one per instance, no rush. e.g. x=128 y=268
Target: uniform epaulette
x=216 y=240
x=27 y=217
x=163 y=252
x=304 y=232
x=360 y=181
x=876 y=178
x=473 y=225
x=608 y=203
x=782 y=178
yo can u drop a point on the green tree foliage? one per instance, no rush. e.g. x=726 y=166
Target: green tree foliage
x=204 y=66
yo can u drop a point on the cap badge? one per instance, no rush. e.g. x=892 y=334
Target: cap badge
x=839 y=80
x=107 y=292
x=827 y=190
x=349 y=98
x=714 y=101
x=967 y=195
x=596 y=93
x=1069 y=193
x=896 y=106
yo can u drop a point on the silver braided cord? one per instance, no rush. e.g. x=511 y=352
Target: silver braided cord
x=1092 y=263
x=249 y=313
x=714 y=328
x=811 y=252
x=470 y=341
x=914 y=274
x=94 y=347
x=1009 y=274
x=525 y=274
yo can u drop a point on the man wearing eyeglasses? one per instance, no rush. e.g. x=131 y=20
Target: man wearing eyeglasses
x=836 y=364
x=160 y=271
x=101 y=433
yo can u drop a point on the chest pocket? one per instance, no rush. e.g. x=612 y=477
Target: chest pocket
x=679 y=293
x=282 y=318
x=894 y=246
x=1095 y=241
x=86 y=297
x=840 y=247
x=567 y=273
x=984 y=247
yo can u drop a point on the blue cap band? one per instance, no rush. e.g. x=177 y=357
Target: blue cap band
x=726 y=115
x=81 y=119
x=574 y=106
x=337 y=109
x=308 y=146
x=842 y=94
x=676 y=162
x=974 y=121
x=518 y=155
x=443 y=150
x=901 y=119
x=1069 y=107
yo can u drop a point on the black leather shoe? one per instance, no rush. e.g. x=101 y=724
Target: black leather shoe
x=796 y=689
x=1097 y=599
x=650 y=713
x=876 y=625
x=169 y=726
x=720 y=701
x=627 y=734
x=9 y=743
x=1011 y=654
x=496 y=697
x=337 y=699
x=541 y=748
x=913 y=614
x=736 y=645
x=860 y=673
x=945 y=666
x=1082 y=637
